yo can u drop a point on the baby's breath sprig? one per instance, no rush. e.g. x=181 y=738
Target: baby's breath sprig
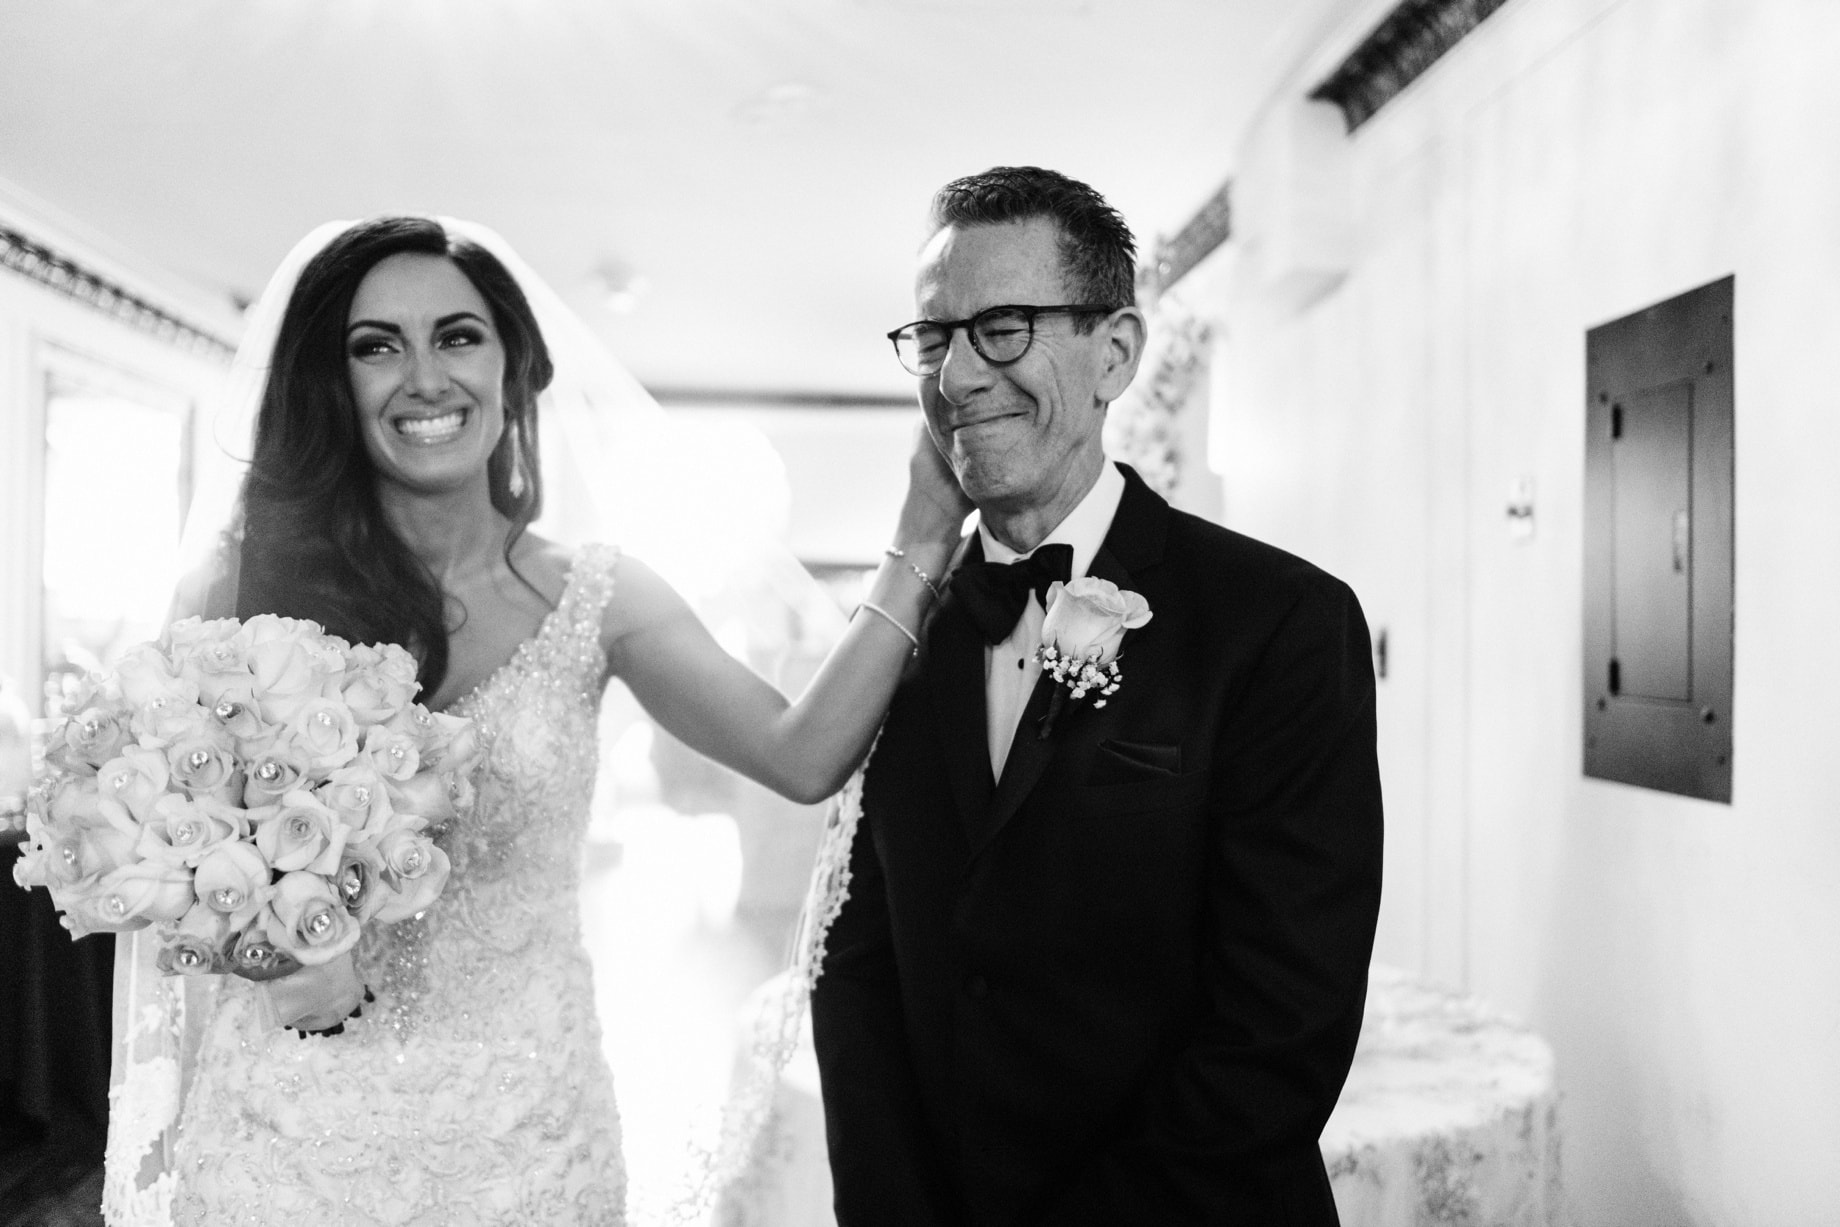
x=1080 y=675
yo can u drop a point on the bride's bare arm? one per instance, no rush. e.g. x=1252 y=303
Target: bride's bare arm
x=803 y=749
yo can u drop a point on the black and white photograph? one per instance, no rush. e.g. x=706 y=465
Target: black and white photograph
x=919 y=613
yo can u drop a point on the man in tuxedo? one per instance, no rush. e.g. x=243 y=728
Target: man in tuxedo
x=1106 y=967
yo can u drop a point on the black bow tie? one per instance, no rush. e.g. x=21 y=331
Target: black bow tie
x=994 y=594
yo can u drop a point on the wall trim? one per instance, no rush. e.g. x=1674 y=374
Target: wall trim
x=1413 y=37
x=63 y=274
x=1174 y=257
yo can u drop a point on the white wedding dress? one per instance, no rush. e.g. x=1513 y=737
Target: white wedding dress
x=473 y=1089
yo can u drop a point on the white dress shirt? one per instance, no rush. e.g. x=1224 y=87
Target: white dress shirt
x=1011 y=668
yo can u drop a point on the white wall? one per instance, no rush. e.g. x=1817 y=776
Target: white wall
x=1570 y=162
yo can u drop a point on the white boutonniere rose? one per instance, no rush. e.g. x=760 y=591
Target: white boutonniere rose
x=1080 y=637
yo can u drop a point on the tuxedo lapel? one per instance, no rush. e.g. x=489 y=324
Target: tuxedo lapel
x=954 y=672
x=1137 y=535
x=1134 y=539
x=1029 y=753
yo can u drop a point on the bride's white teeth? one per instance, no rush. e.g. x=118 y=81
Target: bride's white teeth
x=432 y=430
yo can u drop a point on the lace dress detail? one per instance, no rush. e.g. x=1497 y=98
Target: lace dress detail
x=473 y=1090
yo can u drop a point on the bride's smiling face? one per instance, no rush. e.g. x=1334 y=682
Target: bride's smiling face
x=427 y=371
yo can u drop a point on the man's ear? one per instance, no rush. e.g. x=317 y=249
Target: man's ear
x=1125 y=334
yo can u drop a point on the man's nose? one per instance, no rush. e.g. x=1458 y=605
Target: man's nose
x=964 y=372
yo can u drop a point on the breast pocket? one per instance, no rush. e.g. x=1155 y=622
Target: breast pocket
x=1116 y=761
x=1147 y=794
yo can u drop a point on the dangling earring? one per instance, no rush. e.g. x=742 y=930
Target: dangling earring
x=514 y=476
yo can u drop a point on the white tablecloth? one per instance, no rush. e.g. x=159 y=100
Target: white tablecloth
x=1448 y=1119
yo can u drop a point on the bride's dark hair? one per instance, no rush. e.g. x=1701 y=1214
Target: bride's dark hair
x=315 y=541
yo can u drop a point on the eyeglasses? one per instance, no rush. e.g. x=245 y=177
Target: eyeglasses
x=1000 y=335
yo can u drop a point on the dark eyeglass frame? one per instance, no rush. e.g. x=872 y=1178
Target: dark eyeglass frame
x=969 y=324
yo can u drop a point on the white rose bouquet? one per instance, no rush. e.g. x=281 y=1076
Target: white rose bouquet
x=1080 y=637
x=258 y=791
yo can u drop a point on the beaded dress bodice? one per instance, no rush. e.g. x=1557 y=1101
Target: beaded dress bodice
x=473 y=1089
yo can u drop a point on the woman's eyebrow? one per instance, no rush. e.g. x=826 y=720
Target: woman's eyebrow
x=385 y=326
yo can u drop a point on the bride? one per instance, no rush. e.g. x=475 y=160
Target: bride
x=452 y=1073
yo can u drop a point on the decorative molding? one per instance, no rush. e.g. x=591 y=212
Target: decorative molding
x=1173 y=258
x=41 y=264
x=1410 y=40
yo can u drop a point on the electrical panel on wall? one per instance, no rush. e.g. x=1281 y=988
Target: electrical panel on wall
x=1658 y=546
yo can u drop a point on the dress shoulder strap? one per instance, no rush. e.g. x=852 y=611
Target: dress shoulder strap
x=589 y=588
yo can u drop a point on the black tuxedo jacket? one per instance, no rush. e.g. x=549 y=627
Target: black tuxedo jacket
x=1122 y=984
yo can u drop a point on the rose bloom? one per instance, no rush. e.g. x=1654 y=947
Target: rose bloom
x=92 y=737
x=77 y=801
x=397 y=663
x=273 y=774
x=199 y=945
x=203 y=765
x=393 y=754
x=237 y=713
x=254 y=955
x=427 y=799
x=451 y=743
x=72 y=846
x=307 y=920
x=415 y=869
x=163 y=705
x=144 y=891
x=81 y=858
x=293 y=662
x=144 y=674
x=233 y=878
x=210 y=655
x=217 y=678
x=379 y=682
x=300 y=833
x=92 y=690
x=184 y=830
x=323 y=731
x=84 y=913
x=361 y=883
x=131 y=784
x=1087 y=618
x=194 y=636
x=163 y=721
x=358 y=795
x=418 y=722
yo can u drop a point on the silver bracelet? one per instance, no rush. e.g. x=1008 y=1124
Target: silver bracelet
x=893 y=621
x=896 y=552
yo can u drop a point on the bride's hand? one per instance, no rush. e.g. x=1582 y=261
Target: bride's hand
x=936 y=506
x=316 y=998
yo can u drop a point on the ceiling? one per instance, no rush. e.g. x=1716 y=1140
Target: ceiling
x=731 y=191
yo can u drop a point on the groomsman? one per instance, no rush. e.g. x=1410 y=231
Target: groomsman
x=1104 y=954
